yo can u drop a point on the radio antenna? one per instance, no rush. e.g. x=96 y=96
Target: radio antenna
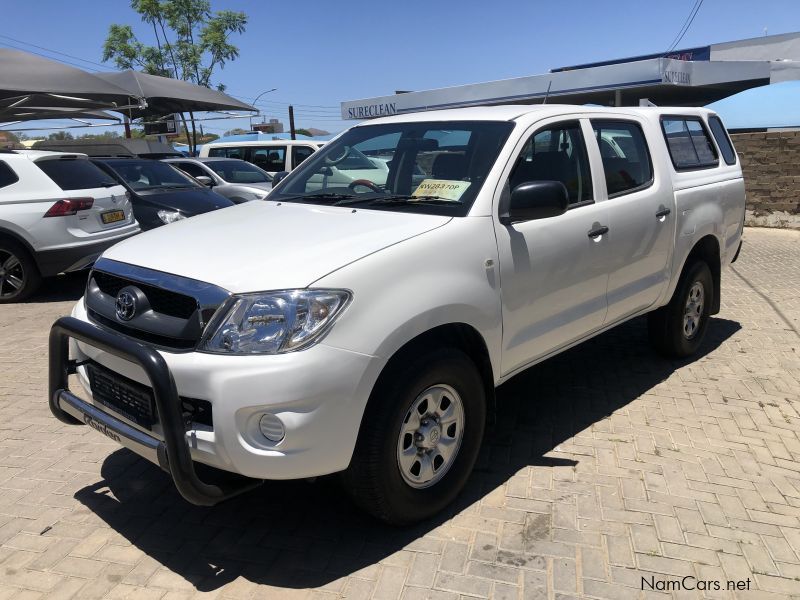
x=547 y=93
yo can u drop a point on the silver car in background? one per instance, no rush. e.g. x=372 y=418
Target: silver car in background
x=237 y=180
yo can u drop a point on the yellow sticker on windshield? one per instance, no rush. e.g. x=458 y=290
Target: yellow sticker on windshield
x=442 y=188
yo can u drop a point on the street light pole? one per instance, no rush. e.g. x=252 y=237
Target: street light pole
x=253 y=103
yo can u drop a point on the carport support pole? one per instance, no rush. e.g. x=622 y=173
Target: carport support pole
x=617 y=97
x=291 y=122
x=127 y=122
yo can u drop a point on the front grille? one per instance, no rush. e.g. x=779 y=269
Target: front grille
x=162 y=301
x=130 y=399
x=144 y=336
x=169 y=311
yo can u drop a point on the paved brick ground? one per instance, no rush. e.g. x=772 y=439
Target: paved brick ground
x=607 y=465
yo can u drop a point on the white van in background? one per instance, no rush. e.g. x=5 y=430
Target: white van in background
x=273 y=156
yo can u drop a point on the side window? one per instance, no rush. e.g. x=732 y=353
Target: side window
x=7 y=175
x=690 y=146
x=299 y=154
x=226 y=152
x=271 y=158
x=556 y=153
x=192 y=169
x=723 y=141
x=626 y=158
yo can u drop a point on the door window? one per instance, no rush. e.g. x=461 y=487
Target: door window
x=300 y=153
x=557 y=153
x=270 y=158
x=626 y=158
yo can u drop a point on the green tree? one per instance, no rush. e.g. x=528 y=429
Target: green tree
x=191 y=43
x=303 y=132
x=60 y=135
x=235 y=131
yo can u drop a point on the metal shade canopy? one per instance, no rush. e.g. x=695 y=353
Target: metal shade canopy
x=27 y=80
x=164 y=95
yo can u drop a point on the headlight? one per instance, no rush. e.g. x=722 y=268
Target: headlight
x=275 y=322
x=170 y=216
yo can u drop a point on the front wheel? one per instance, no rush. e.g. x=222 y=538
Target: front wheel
x=419 y=438
x=677 y=329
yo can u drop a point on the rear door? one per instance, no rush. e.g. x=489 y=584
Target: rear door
x=641 y=221
x=79 y=179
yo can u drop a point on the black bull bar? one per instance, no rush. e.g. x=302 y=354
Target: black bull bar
x=172 y=454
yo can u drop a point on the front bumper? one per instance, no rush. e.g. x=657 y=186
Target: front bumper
x=172 y=454
x=319 y=394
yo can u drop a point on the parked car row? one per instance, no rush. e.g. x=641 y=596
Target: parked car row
x=59 y=210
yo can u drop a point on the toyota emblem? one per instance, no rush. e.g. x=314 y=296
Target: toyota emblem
x=125 y=305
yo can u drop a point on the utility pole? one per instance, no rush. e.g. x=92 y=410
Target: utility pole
x=291 y=122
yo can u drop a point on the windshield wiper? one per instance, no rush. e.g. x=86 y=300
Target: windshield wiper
x=325 y=196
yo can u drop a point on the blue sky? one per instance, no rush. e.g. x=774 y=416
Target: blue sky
x=320 y=53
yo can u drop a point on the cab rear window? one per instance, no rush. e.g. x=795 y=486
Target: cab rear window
x=75 y=173
x=689 y=143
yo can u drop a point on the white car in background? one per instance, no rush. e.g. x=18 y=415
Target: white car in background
x=273 y=156
x=237 y=180
x=58 y=213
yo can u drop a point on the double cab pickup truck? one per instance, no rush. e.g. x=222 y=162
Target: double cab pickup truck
x=362 y=328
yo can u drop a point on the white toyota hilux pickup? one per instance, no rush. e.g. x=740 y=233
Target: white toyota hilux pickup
x=363 y=329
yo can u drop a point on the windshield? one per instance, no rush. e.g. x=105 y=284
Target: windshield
x=151 y=174
x=429 y=167
x=238 y=171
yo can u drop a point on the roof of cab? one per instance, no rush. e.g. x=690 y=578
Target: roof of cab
x=511 y=112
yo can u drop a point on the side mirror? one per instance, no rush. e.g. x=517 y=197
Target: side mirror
x=278 y=177
x=535 y=200
x=205 y=180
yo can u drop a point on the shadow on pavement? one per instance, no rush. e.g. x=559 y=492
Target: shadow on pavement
x=303 y=535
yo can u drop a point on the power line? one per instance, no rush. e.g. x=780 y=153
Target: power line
x=686 y=25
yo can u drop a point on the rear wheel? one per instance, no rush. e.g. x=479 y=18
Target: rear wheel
x=677 y=329
x=19 y=276
x=419 y=438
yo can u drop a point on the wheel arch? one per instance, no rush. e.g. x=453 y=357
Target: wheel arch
x=707 y=249
x=8 y=234
x=461 y=336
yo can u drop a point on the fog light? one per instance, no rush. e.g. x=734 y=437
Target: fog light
x=271 y=427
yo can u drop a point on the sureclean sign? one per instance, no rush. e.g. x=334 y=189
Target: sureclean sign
x=369 y=111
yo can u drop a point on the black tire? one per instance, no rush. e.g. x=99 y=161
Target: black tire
x=19 y=275
x=374 y=478
x=669 y=333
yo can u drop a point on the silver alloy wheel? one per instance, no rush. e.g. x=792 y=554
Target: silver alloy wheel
x=430 y=436
x=12 y=274
x=693 y=311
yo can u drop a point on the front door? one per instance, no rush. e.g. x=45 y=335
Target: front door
x=553 y=271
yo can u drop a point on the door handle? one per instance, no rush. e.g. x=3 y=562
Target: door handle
x=663 y=213
x=598 y=232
